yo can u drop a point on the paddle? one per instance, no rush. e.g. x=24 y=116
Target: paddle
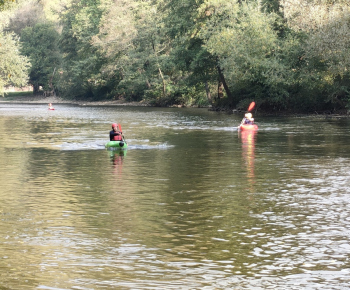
x=251 y=106
x=120 y=129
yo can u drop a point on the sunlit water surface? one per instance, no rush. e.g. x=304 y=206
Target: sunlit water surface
x=192 y=203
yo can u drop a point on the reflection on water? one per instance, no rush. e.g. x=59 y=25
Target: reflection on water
x=192 y=203
x=248 y=152
x=117 y=158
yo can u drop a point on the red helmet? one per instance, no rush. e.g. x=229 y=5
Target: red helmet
x=114 y=125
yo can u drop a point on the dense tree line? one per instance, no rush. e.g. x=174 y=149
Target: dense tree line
x=284 y=54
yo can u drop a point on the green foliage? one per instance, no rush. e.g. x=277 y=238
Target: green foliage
x=11 y=96
x=196 y=68
x=13 y=66
x=40 y=44
x=27 y=15
x=249 y=50
x=81 y=75
x=284 y=54
x=6 y=4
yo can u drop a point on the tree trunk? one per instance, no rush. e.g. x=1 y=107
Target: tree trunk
x=231 y=100
x=220 y=90
x=208 y=92
x=35 y=89
x=52 y=92
x=51 y=78
x=161 y=75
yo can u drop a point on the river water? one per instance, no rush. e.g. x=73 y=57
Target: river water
x=192 y=203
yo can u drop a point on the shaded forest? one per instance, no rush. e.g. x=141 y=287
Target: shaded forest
x=286 y=55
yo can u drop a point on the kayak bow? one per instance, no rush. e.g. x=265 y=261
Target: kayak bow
x=117 y=145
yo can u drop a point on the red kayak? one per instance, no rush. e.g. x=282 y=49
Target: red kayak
x=51 y=109
x=248 y=127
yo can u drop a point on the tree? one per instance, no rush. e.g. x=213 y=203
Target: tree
x=40 y=44
x=243 y=39
x=133 y=38
x=115 y=41
x=26 y=15
x=13 y=66
x=5 y=4
x=197 y=69
x=82 y=62
x=327 y=44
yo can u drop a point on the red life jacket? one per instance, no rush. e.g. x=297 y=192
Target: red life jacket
x=117 y=138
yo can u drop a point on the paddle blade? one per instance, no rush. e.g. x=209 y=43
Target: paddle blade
x=120 y=128
x=251 y=106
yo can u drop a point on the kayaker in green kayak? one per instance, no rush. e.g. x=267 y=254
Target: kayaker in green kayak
x=116 y=134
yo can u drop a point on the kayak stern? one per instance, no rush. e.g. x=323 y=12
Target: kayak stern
x=249 y=127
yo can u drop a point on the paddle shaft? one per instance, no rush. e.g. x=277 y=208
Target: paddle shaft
x=120 y=129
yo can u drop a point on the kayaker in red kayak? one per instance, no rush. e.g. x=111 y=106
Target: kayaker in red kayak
x=248 y=119
x=51 y=107
x=116 y=134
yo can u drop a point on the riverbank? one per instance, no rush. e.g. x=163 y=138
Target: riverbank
x=38 y=99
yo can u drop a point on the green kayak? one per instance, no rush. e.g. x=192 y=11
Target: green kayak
x=117 y=144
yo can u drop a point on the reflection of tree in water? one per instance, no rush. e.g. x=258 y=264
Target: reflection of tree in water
x=248 y=153
x=117 y=157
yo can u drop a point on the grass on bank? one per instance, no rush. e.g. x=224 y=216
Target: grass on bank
x=12 y=96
